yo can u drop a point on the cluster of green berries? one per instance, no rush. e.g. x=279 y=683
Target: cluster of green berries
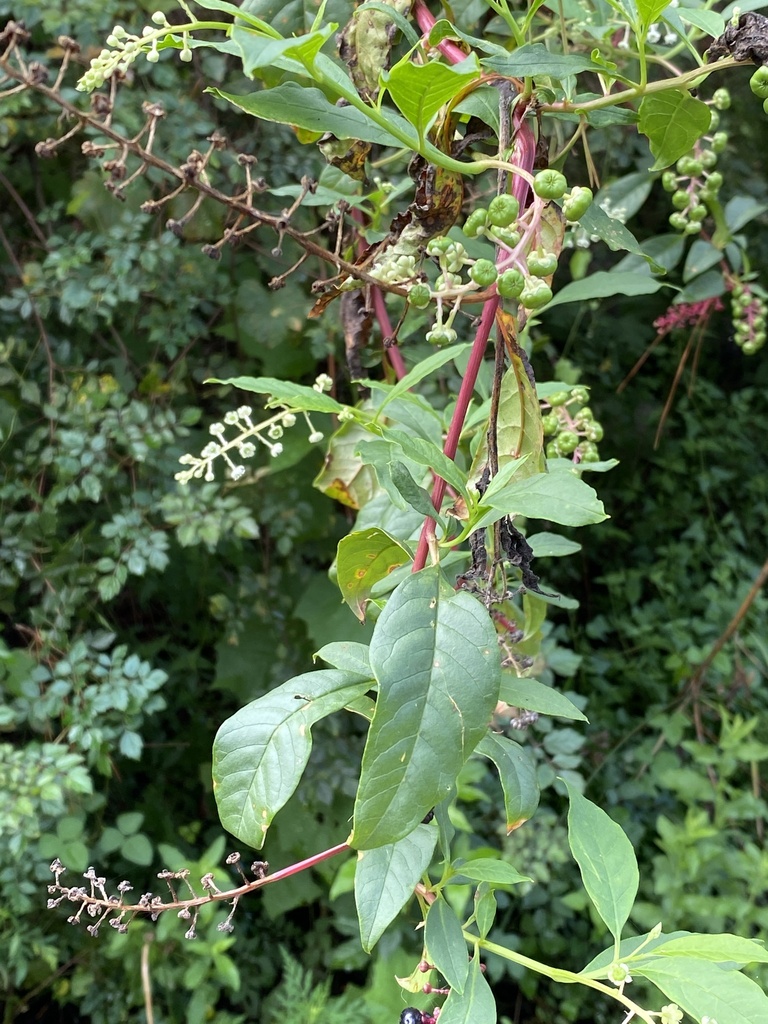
x=695 y=180
x=758 y=83
x=573 y=431
x=748 y=312
x=125 y=48
x=395 y=268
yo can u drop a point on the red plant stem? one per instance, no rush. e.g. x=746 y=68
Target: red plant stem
x=425 y=20
x=393 y=353
x=309 y=862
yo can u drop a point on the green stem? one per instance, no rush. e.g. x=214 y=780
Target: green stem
x=697 y=75
x=560 y=975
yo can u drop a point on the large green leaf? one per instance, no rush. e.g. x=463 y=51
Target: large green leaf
x=704 y=989
x=673 y=121
x=519 y=431
x=649 y=10
x=435 y=656
x=489 y=869
x=606 y=860
x=260 y=753
x=344 y=476
x=419 y=91
x=536 y=59
x=517 y=774
x=561 y=497
x=283 y=392
x=259 y=51
x=385 y=879
x=598 y=224
x=297 y=16
x=308 y=108
x=535 y=696
x=475 y=1005
x=723 y=948
x=446 y=946
x=363 y=558
x=604 y=283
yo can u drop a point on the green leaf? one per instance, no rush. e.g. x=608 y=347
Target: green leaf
x=385 y=879
x=475 y=1005
x=362 y=559
x=485 y=908
x=598 y=966
x=291 y=54
x=606 y=860
x=308 y=108
x=740 y=210
x=708 y=21
x=237 y=12
x=535 y=696
x=415 y=495
x=429 y=455
x=704 y=989
x=421 y=370
x=420 y=90
x=446 y=946
x=596 y=222
x=701 y=256
x=489 y=869
x=517 y=774
x=435 y=656
x=519 y=431
x=260 y=753
x=603 y=283
x=482 y=103
x=722 y=948
x=283 y=392
x=649 y=10
x=673 y=121
x=138 y=850
x=552 y=545
x=344 y=476
x=561 y=497
x=348 y=656
x=536 y=59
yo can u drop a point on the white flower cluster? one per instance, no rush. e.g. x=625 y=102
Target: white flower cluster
x=124 y=48
x=268 y=433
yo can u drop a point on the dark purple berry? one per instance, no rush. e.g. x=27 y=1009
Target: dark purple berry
x=411 y=1015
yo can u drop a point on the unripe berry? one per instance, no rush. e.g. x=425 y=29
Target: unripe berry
x=503 y=211
x=507 y=236
x=510 y=284
x=549 y=184
x=483 y=272
x=542 y=264
x=475 y=223
x=567 y=442
x=758 y=83
x=550 y=423
x=535 y=294
x=580 y=395
x=719 y=141
x=708 y=159
x=714 y=180
x=558 y=398
x=437 y=246
x=678 y=221
x=441 y=336
x=721 y=99
x=669 y=181
x=577 y=203
x=698 y=213
x=419 y=296
x=689 y=166
x=681 y=199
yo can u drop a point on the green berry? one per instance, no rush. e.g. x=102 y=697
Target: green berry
x=542 y=264
x=419 y=296
x=588 y=452
x=510 y=284
x=714 y=120
x=708 y=159
x=719 y=141
x=551 y=450
x=714 y=180
x=550 y=423
x=698 y=213
x=721 y=99
x=689 y=166
x=580 y=395
x=476 y=223
x=765 y=106
x=558 y=398
x=567 y=442
x=586 y=415
x=503 y=211
x=758 y=83
x=483 y=272
x=594 y=431
x=549 y=184
x=438 y=246
x=681 y=199
x=535 y=294
x=441 y=336
x=678 y=221
x=506 y=236
x=669 y=181
x=577 y=203
x=693 y=227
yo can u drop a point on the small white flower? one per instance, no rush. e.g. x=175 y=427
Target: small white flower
x=210 y=451
x=244 y=412
x=276 y=449
x=275 y=432
x=159 y=18
x=670 y=38
x=289 y=419
x=315 y=436
x=654 y=35
x=217 y=429
x=247 y=450
x=671 y=1014
x=623 y=43
x=323 y=383
x=231 y=419
x=237 y=472
x=619 y=974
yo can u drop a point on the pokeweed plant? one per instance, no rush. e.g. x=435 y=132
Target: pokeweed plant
x=497 y=118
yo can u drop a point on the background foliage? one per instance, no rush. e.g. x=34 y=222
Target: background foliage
x=137 y=616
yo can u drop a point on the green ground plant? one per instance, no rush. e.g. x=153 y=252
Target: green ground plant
x=447 y=462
